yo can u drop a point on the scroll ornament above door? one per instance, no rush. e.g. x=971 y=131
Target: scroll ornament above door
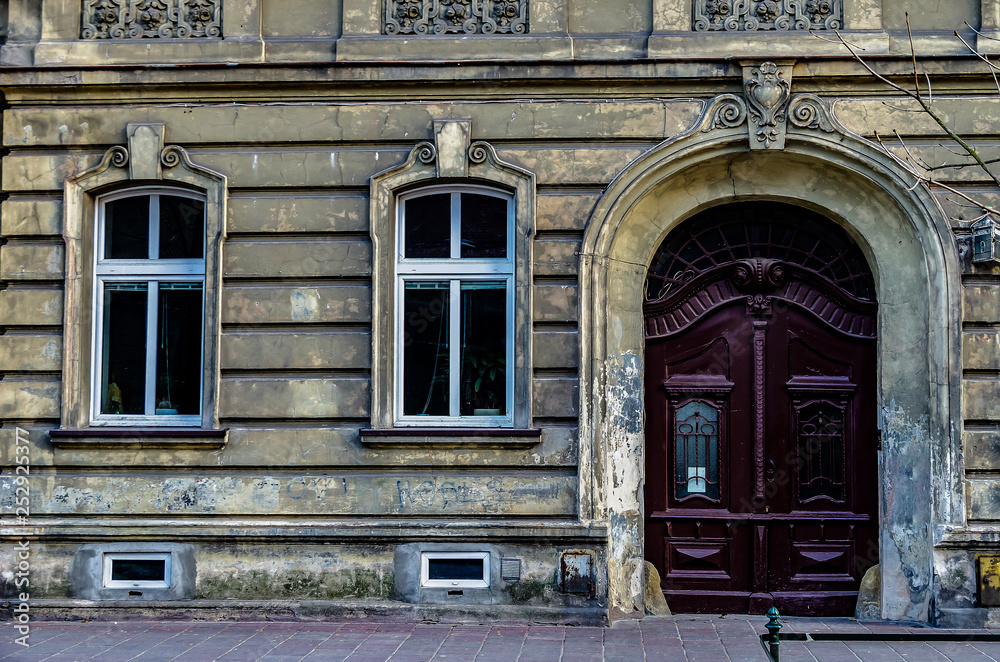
x=767 y=106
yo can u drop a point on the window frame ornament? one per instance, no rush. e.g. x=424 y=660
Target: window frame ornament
x=837 y=393
x=145 y=164
x=450 y=160
x=835 y=447
x=712 y=489
x=457 y=271
x=713 y=391
x=152 y=272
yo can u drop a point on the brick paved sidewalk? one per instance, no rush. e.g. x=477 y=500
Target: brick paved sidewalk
x=689 y=638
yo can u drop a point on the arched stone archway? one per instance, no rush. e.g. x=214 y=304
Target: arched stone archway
x=905 y=237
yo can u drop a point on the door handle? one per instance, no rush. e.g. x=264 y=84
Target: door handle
x=770 y=471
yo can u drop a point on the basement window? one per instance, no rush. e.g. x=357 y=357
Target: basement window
x=137 y=570
x=455 y=569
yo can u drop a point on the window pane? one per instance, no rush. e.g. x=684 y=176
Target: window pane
x=696 y=447
x=126 y=228
x=178 y=349
x=484 y=226
x=124 y=349
x=428 y=226
x=138 y=570
x=182 y=228
x=425 y=349
x=484 y=348
x=455 y=569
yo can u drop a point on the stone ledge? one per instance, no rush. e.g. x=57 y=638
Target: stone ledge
x=450 y=438
x=94 y=529
x=158 y=52
x=306 y=610
x=742 y=44
x=978 y=536
x=108 y=437
x=419 y=48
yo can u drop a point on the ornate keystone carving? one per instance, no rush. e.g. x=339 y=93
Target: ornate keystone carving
x=145 y=19
x=424 y=17
x=753 y=15
x=767 y=91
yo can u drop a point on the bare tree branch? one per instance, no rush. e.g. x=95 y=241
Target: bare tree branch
x=919 y=99
x=921 y=178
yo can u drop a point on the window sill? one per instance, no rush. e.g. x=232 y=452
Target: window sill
x=450 y=438
x=175 y=438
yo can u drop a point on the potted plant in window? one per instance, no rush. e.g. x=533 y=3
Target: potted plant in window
x=488 y=376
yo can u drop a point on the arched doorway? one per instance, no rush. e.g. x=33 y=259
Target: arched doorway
x=760 y=399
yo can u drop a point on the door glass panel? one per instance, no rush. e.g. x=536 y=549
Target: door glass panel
x=182 y=223
x=425 y=348
x=820 y=429
x=696 y=444
x=178 y=349
x=123 y=388
x=484 y=348
x=427 y=226
x=126 y=228
x=484 y=226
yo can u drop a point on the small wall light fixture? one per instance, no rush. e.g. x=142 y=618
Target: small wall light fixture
x=986 y=241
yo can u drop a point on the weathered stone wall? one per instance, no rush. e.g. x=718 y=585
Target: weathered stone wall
x=295 y=350
x=299 y=144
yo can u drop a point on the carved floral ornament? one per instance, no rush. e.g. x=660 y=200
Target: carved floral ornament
x=767 y=107
x=754 y=15
x=426 y=17
x=145 y=19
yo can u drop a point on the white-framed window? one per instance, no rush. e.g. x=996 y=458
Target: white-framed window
x=136 y=570
x=455 y=307
x=149 y=305
x=455 y=569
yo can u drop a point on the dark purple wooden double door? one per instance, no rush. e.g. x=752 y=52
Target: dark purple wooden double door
x=761 y=464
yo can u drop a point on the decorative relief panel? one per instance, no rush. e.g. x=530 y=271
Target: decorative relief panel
x=145 y=19
x=426 y=17
x=752 y=15
x=819 y=427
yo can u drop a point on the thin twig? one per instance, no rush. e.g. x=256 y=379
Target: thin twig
x=920 y=178
x=982 y=34
x=919 y=162
x=951 y=150
x=901 y=109
x=993 y=68
x=913 y=55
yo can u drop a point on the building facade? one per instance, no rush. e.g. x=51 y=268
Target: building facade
x=488 y=308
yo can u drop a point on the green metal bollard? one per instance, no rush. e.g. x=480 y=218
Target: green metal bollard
x=773 y=625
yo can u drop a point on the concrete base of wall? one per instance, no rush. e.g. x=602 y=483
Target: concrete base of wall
x=965 y=619
x=307 y=610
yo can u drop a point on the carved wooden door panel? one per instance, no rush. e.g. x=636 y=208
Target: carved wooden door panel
x=761 y=468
